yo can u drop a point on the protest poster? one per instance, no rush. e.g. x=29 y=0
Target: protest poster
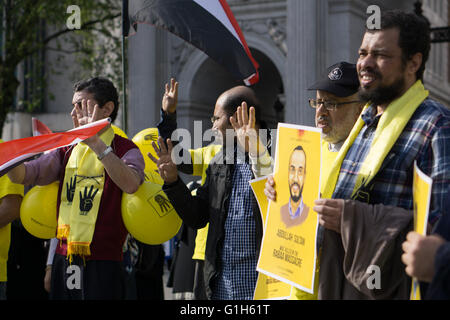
x=288 y=249
x=267 y=288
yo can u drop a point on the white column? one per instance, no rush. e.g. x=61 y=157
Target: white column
x=147 y=73
x=301 y=60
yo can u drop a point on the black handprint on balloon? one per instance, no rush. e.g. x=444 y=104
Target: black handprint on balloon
x=70 y=189
x=164 y=203
x=151 y=137
x=87 y=200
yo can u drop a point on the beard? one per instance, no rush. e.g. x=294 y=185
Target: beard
x=293 y=197
x=336 y=133
x=382 y=94
x=339 y=132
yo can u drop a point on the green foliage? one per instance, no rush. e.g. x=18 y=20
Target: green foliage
x=32 y=27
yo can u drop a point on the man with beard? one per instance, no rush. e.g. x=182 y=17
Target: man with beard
x=400 y=125
x=295 y=211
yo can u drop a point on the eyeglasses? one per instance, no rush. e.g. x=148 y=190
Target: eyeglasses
x=214 y=119
x=329 y=105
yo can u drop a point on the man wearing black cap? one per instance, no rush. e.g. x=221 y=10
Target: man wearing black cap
x=337 y=108
x=337 y=104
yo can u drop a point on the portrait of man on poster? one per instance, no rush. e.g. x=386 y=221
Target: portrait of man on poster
x=295 y=211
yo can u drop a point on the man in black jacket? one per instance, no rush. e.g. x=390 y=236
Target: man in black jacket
x=225 y=199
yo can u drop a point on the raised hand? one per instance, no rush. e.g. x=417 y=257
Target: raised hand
x=166 y=167
x=85 y=112
x=170 y=98
x=243 y=123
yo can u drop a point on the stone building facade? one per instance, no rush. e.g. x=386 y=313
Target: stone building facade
x=292 y=40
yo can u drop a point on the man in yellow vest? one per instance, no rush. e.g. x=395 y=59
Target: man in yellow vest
x=10 y=199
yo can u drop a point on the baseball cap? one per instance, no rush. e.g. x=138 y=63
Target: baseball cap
x=341 y=79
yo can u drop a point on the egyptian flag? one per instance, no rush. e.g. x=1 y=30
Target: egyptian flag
x=14 y=152
x=208 y=25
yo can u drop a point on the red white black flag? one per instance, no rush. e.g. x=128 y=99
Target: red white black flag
x=39 y=128
x=209 y=25
x=14 y=152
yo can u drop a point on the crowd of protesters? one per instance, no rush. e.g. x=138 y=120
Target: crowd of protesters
x=380 y=99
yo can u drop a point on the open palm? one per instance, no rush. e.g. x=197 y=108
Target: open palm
x=166 y=167
x=85 y=112
x=243 y=123
x=170 y=98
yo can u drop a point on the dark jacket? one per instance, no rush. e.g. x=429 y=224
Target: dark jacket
x=439 y=288
x=370 y=241
x=210 y=205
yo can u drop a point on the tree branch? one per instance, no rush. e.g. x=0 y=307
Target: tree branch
x=83 y=26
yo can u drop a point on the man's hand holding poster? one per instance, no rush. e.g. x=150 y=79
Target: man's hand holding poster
x=288 y=251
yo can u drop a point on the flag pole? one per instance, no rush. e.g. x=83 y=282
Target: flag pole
x=125 y=27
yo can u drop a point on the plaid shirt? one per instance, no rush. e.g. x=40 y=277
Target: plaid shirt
x=237 y=275
x=426 y=138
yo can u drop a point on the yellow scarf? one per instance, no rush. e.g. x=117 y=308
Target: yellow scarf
x=82 y=190
x=391 y=125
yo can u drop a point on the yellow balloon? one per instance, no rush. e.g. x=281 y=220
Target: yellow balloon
x=38 y=211
x=119 y=131
x=149 y=216
x=153 y=176
x=144 y=141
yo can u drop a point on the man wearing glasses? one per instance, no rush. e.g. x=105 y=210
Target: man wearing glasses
x=225 y=199
x=337 y=108
x=337 y=104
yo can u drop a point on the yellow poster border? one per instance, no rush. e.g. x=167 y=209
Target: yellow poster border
x=276 y=166
x=253 y=183
x=415 y=288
